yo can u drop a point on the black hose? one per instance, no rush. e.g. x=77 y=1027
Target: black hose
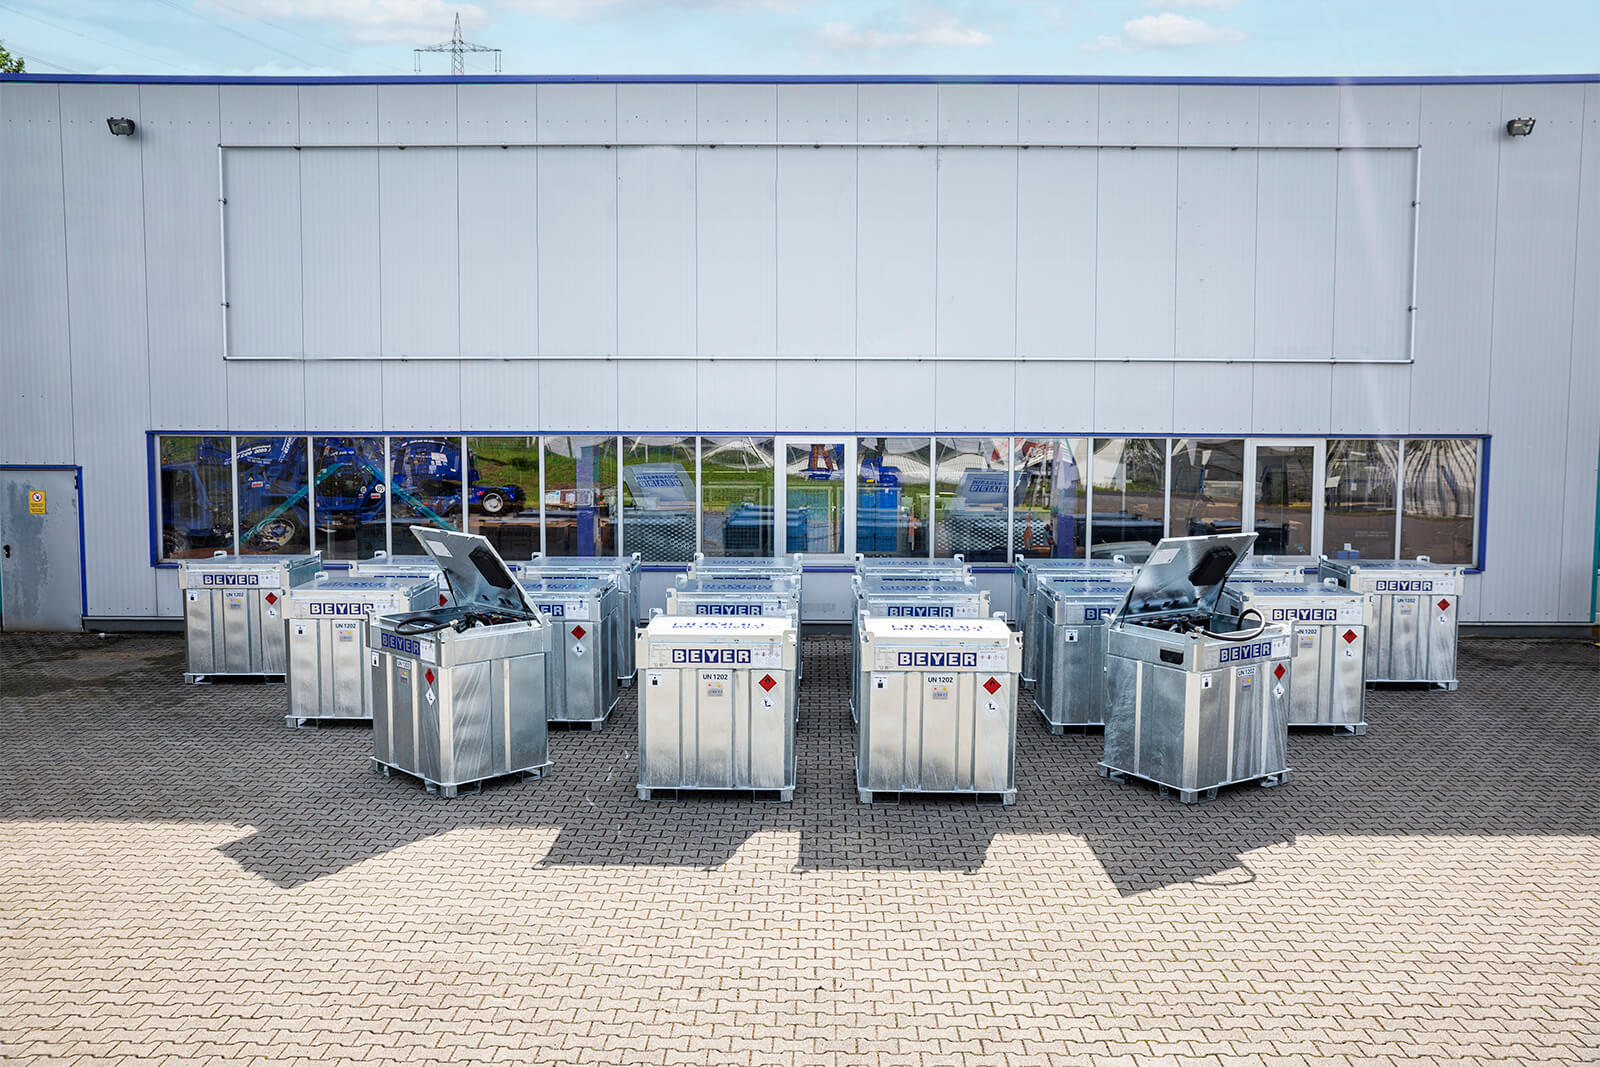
x=420 y=624
x=1252 y=635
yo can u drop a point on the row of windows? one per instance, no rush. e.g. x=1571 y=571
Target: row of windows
x=988 y=498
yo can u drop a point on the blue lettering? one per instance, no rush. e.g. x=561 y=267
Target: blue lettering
x=408 y=646
x=921 y=611
x=712 y=656
x=937 y=659
x=558 y=611
x=1305 y=614
x=1242 y=653
x=1403 y=585
x=728 y=609
x=230 y=579
x=318 y=607
x=1098 y=614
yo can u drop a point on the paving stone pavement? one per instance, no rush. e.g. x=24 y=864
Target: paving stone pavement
x=183 y=878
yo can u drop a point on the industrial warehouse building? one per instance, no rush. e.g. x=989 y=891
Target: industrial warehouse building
x=896 y=316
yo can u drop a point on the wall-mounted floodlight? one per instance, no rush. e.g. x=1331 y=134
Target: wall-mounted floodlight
x=1519 y=127
x=120 y=127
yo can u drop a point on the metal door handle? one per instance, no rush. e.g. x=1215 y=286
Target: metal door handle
x=8 y=552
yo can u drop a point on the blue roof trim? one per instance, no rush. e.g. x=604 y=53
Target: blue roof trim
x=794 y=79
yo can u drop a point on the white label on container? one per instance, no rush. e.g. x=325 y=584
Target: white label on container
x=299 y=628
x=1277 y=690
x=1444 y=585
x=1205 y=681
x=880 y=681
x=1166 y=555
x=194 y=596
x=233 y=600
x=430 y=650
x=653 y=677
x=272 y=613
x=403 y=669
x=992 y=707
x=439 y=548
x=1069 y=636
x=346 y=631
x=374 y=655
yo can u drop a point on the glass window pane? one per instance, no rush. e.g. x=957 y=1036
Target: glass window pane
x=738 y=495
x=196 y=496
x=580 y=495
x=1130 y=484
x=273 y=493
x=1358 y=499
x=1440 y=499
x=658 y=498
x=1284 y=496
x=972 y=487
x=503 y=493
x=425 y=476
x=814 y=508
x=1052 y=501
x=351 y=498
x=892 y=497
x=1207 y=487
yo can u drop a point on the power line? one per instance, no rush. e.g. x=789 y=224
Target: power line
x=97 y=40
x=457 y=49
x=281 y=28
x=237 y=33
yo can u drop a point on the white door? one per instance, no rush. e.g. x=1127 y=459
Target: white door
x=41 y=549
x=1283 y=498
x=816 y=496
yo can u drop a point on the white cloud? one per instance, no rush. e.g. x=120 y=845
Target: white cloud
x=580 y=10
x=405 y=21
x=1201 y=5
x=939 y=33
x=1166 y=30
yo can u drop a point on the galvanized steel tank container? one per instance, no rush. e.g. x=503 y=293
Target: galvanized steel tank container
x=944 y=568
x=1189 y=711
x=938 y=708
x=1412 y=613
x=233 y=612
x=907 y=598
x=742 y=596
x=581 y=681
x=328 y=676
x=623 y=612
x=1071 y=622
x=715 y=706
x=1329 y=646
x=1025 y=578
x=457 y=708
x=383 y=565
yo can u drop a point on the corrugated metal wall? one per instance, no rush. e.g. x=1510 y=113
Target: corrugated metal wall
x=970 y=260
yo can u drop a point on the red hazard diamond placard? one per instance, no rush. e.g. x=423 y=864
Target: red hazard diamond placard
x=428 y=674
x=443 y=600
x=991 y=685
x=1443 y=604
x=272 y=598
x=767 y=682
x=1277 y=671
x=578 y=631
x=1349 y=637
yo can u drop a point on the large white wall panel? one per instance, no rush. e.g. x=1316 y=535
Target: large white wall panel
x=500 y=394
x=1216 y=254
x=656 y=251
x=263 y=252
x=978 y=114
x=497 y=230
x=1058 y=114
x=497 y=113
x=577 y=114
x=421 y=395
x=1136 y=252
x=739 y=395
x=1054 y=398
x=36 y=409
x=1132 y=398
x=339 y=253
x=816 y=396
x=1297 y=212
x=1371 y=398
x=974 y=396
x=1536 y=260
x=896 y=251
x=1218 y=114
x=338 y=114
x=894 y=396
x=745 y=113
x=736 y=251
x=977 y=253
x=1460 y=175
x=1299 y=115
x=577 y=250
x=1212 y=398
x=103 y=199
x=656 y=396
x=420 y=278
x=1379 y=114
x=1291 y=399
x=818 y=114
x=423 y=113
x=178 y=146
x=1372 y=254
x=1138 y=114
x=656 y=114
x=270 y=395
x=1057 y=192
x=345 y=396
x=579 y=395
x=1577 y=573
x=260 y=114
x=897 y=114
x=816 y=251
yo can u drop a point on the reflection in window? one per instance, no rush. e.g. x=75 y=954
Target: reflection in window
x=1440 y=495
x=1207 y=487
x=1052 y=503
x=658 y=498
x=892 y=516
x=1130 y=482
x=737 y=497
x=503 y=493
x=351 y=499
x=274 y=509
x=814 y=474
x=425 y=481
x=972 y=494
x=196 y=496
x=1358 y=499
x=580 y=495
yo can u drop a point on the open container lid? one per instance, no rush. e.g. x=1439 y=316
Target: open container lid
x=478 y=578
x=1183 y=575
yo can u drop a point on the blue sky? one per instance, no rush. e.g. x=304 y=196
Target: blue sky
x=1182 y=37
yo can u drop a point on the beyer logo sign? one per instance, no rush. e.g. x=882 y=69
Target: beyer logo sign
x=1403 y=585
x=728 y=609
x=1305 y=614
x=720 y=656
x=1241 y=653
x=921 y=611
x=230 y=579
x=318 y=607
x=557 y=611
x=408 y=646
x=937 y=659
x=1098 y=614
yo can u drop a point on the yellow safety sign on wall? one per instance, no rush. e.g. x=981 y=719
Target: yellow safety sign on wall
x=35 y=501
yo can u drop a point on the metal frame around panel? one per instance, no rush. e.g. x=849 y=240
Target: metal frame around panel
x=852 y=446
x=83 y=544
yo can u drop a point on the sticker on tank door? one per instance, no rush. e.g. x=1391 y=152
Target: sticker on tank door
x=233 y=600
x=194 y=596
x=1069 y=636
x=880 y=681
x=1405 y=606
x=1247 y=677
x=345 y=631
x=716 y=682
x=374 y=655
x=1205 y=681
x=299 y=629
x=403 y=670
x=1307 y=636
x=430 y=650
x=653 y=677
